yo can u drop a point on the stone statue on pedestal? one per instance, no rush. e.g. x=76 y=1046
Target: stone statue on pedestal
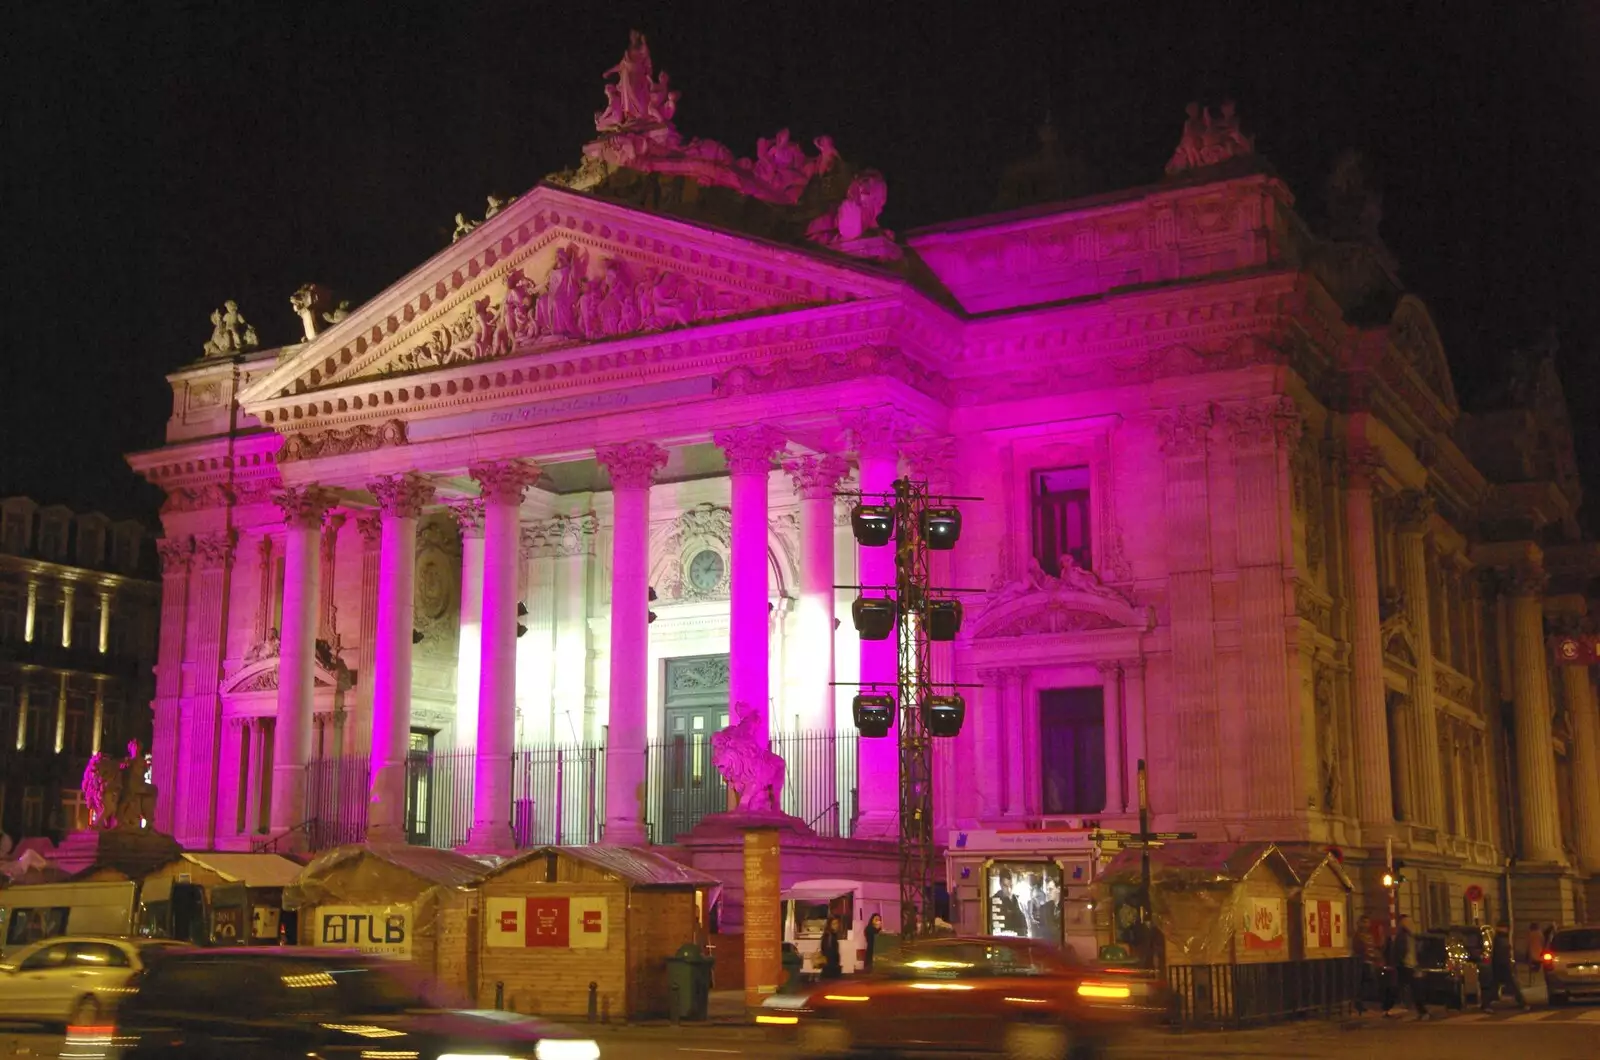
x=230 y=332
x=746 y=761
x=118 y=795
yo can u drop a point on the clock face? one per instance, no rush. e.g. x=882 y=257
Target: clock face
x=705 y=570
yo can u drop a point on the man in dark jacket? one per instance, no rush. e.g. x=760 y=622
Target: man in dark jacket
x=1502 y=971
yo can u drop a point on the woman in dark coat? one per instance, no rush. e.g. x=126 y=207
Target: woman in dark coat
x=832 y=967
x=874 y=929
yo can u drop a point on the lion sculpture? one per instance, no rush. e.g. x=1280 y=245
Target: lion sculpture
x=743 y=756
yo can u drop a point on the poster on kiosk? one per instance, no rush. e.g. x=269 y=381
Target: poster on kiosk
x=1024 y=900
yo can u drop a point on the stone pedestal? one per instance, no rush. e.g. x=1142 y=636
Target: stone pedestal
x=131 y=852
x=763 y=925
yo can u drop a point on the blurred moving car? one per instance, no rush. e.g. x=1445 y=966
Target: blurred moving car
x=1572 y=964
x=73 y=978
x=1453 y=964
x=970 y=994
x=252 y=1004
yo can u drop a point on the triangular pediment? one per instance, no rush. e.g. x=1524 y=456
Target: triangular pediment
x=557 y=269
x=261 y=676
x=1416 y=340
x=1041 y=605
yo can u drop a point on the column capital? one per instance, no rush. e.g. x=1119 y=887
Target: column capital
x=1526 y=579
x=303 y=506
x=1108 y=667
x=468 y=513
x=816 y=476
x=215 y=551
x=1411 y=511
x=931 y=457
x=632 y=465
x=505 y=482
x=401 y=496
x=1184 y=431
x=1263 y=422
x=1362 y=463
x=750 y=449
x=370 y=524
x=175 y=553
x=877 y=431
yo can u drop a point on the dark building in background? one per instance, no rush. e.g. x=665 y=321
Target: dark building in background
x=78 y=616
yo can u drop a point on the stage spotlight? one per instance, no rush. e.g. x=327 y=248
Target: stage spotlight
x=874 y=713
x=873 y=524
x=944 y=714
x=942 y=619
x=873 y=617
x=941 y=528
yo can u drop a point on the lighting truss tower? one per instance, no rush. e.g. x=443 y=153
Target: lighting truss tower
x=917 y=851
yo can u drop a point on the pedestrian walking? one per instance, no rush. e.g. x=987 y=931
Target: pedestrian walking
x=1405 y=966
x=874 y=929
x=1533 y=949
x=1502 y=971
x=832 y=966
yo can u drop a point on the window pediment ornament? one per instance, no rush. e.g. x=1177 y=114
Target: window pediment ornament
x=1040 y=604
x=261 y=675
x=705 y=527
x=362 y=438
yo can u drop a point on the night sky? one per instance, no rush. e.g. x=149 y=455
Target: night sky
x=160 y=158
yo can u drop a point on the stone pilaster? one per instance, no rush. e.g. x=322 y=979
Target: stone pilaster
x=1413 y=510
x=469 y=647
x=1585 y=758
x=632 y=468
x=166 y=743
x=328 y=617
x=1369 y=711
x=1539 y=820
x=358 y=736
x=1196 y=736
x=202 y=715
x=1111 y=682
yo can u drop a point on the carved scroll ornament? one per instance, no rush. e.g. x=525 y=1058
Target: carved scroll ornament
x=632 y=465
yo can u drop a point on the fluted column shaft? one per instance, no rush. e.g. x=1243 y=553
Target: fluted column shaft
x=291 y=749
x=469 y=515
x=503 y=486
x=1370 y=720
x=357 y=737
x=165 y=744
x=1427 y=786
x=815 y=479
x=878 y=761
x=400 y=499
x=632 y=467
x=1585 y=757
x=749 y=451
x=1539 y=820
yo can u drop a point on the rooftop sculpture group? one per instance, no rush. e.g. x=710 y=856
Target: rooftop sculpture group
x=1209 y=139
x=230 y=332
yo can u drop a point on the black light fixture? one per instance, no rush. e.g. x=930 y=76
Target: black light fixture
x=944 y=714
x=522 y=609
x=874 y=713
x=942 y=619
x=873 y=524
x=941 y=528
x=874 y=617
x=416 y=636
x=652 y=614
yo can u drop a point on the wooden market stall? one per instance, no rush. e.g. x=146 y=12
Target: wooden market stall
x=411 y=903
x=223 y=898
x=1320 y=915
x=558 y=918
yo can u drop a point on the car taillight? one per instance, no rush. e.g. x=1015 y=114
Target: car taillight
x=1105 y=991
x=1549 y=958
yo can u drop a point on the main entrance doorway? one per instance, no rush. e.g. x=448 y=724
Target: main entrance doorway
x=684 y=784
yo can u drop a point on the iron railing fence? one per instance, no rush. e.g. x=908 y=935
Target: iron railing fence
x=1240 y=995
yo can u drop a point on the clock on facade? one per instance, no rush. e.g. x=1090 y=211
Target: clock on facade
x=705 y=570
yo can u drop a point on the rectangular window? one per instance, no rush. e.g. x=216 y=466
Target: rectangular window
x=32 y=810
x=1061 y=521
x=1072 y=750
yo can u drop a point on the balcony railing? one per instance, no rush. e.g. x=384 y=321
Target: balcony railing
x=558 y=792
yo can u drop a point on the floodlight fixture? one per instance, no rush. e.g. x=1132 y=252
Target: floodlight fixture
x=944 y=714
x=873 y=524
x=942 y=619
x=941 y=528
x=874 y=617
x=873 y=713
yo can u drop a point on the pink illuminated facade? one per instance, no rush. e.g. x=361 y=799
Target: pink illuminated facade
x=1233 y=522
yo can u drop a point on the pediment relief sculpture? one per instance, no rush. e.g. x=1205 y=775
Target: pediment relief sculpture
x=1041 y=603
x=362 y=438
x=261 y=675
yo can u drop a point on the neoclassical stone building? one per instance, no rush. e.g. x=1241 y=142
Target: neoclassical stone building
x=552 y=502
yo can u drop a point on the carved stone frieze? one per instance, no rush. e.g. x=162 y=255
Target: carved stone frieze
x=1263 y=423
x=218 y=495
x=562 y=535
x=632 y=465
x=706 y=674
x=750 y=450
x=362 y=438
x=402 y=496
x=878 y=431
x=817 y=369
x=505 y=482
x=1052 y=619
x=264 y=681
x=1184 y=431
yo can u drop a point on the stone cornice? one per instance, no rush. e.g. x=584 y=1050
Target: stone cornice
x=85 y=576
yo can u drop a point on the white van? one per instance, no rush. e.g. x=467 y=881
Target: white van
x=33 y=911
x=808 y=905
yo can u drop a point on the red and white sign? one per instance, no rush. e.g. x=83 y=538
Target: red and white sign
x=1263 y=925
x=1473 y=893
x=556 y=923
x=1325 y=926
x=1582 y=650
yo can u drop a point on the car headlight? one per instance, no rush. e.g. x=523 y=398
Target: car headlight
x=475 y=1056
x=566 y=1049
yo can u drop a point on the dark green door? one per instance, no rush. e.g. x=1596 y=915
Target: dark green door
x=687 y=783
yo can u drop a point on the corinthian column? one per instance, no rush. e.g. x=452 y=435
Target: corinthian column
x=1585 y=764
x=1536 y=767
x=749 y=451
x=469 y=516
x=877 y=435
x=401 y=499
x=632 y=467
x=1413 y=509
x=815 y=478
x=1374 y=796
x=503 y=486
x=302 y=508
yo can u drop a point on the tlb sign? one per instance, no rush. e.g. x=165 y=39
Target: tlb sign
x=384 y=930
